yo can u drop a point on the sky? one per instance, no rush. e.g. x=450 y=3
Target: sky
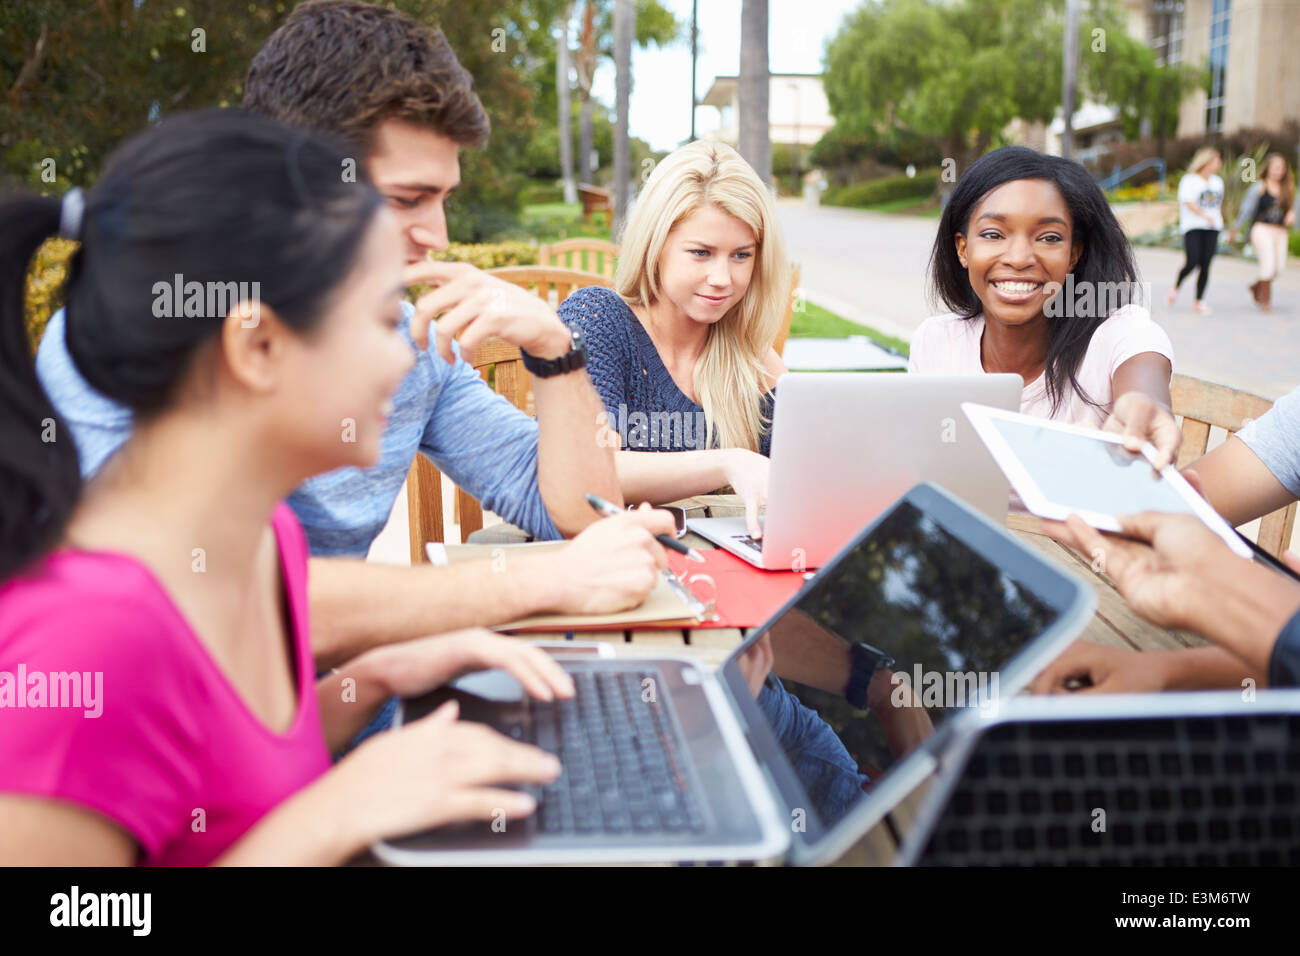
x=659 y=111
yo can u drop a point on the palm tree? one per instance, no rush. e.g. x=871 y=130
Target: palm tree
x=624 y=27
x=562 y=94
x=755 y=133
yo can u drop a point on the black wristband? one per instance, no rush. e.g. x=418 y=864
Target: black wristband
x=865 y=661
x=576 y=358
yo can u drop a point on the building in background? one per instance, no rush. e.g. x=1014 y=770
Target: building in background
x=797 y=110
x=1249 y=47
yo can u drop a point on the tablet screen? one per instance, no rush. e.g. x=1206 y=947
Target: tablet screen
x=1084 y=473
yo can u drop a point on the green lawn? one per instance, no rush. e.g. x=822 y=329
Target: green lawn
x=818 y=323
x=556 y=220
x=553 y=221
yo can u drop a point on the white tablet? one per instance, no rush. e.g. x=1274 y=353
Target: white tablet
x=1059 y=470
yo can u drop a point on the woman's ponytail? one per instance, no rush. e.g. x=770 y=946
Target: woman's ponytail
x=39 y=474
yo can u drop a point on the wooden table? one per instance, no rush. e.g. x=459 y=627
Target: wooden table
x=1114 y=624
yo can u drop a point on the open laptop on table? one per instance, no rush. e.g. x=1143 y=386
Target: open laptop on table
x=1171 y=779
x=845 y=445
x=665 y=761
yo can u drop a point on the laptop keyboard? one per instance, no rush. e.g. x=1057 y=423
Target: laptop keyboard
x=748 y=542
x=625 y=770
x=1188 y=791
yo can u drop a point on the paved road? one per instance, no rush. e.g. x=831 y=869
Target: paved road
x=871 y=267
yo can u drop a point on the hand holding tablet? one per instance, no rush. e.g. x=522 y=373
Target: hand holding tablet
x=1059 y=470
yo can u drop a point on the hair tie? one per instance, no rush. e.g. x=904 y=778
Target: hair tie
x=71 y=211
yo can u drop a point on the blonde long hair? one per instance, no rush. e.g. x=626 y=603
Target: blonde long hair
x=729 y=376
x=1201 y=157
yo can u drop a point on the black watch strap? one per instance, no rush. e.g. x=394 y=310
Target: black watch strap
x=573 y=360
x=865 y=661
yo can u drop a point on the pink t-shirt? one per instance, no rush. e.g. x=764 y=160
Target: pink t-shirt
x=153 y=732
x=950 y=345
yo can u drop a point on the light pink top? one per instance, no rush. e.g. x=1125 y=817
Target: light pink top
x=172 y=736
x=950 y=345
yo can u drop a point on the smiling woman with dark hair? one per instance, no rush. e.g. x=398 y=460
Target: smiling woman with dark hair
x=1041 y=282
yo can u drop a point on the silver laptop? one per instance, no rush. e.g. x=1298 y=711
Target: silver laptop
x=930 y=611
x=1173 y=779
x=847 y=444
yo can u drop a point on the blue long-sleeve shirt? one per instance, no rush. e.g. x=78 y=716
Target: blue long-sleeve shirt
x=475 y=437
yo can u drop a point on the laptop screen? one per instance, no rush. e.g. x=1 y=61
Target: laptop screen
x=906 y=628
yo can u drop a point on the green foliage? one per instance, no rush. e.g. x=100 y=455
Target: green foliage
x=106 y=69
x=887 y=188
x=848 y=155
x=490 y=255
x=87 y=75
x=956 y=72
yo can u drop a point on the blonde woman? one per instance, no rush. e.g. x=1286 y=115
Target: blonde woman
x=681 y=354
x=680 y=351
x=1200 y=219
x=1268 y=211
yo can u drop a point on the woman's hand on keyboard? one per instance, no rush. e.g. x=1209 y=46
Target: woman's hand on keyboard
x=747 y=473
x=415 y=667
x=435 y=771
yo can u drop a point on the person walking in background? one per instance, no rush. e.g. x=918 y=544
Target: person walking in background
x=1269 y=209
x=1200 y=219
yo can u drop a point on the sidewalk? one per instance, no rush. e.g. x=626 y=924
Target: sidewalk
x=871 y=269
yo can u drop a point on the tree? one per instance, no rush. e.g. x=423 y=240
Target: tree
x=958 y=72
x=654 y=25
x=81 y=76
x=755 y=83
x=624 y=24
x=564 y=101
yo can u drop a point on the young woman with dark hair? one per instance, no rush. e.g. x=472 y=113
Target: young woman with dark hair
x=158 y=700
x=1040 y=281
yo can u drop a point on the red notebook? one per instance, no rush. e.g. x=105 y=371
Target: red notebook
x=745 y=596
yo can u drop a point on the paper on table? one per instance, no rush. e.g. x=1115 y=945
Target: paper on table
x=661 y=608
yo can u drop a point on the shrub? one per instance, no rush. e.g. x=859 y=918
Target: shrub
x=1147 y=192
x=490 y=255
x=887 y=188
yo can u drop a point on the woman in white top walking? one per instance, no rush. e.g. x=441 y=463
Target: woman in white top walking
x=1200 y=219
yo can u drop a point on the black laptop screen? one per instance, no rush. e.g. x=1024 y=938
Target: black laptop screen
x=936 y=623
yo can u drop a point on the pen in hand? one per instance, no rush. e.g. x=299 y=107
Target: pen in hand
x=608 y=510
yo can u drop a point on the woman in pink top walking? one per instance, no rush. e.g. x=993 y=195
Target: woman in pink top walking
x=158 y=700
x=1041 y=282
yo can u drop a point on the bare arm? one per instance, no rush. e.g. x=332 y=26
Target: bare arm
x=571 y=461
x=1237 y=484
x=355 y=606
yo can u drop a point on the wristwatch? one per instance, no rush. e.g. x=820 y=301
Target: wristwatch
x=865 y=661
x=574 y=359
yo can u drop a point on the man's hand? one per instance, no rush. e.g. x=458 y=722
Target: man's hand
x=613 y=564
x=1139 y=420
x=476 y=306
x=1160 y=573
x=1104 y=670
